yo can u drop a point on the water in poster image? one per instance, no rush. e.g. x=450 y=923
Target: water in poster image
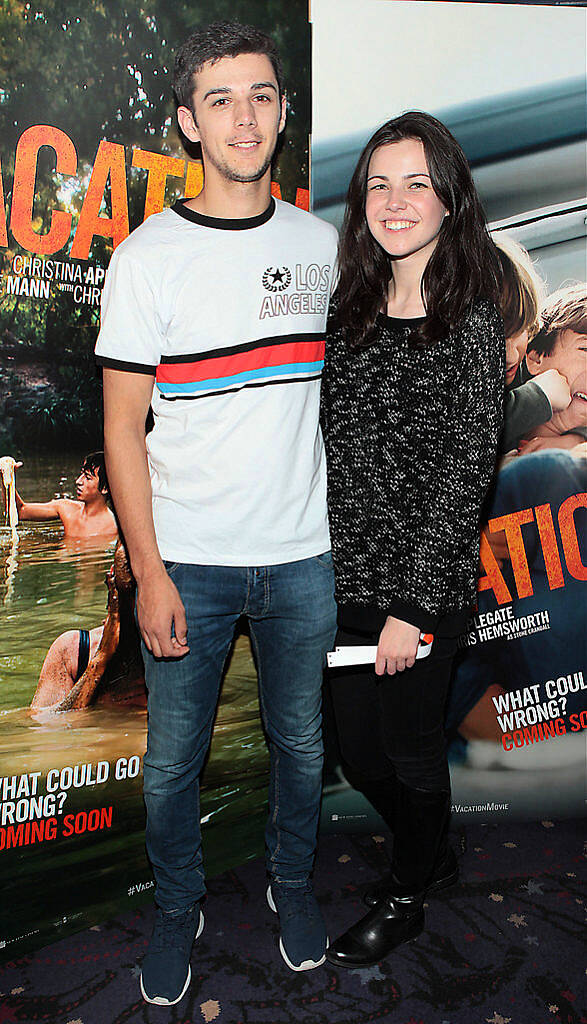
x=48 y=586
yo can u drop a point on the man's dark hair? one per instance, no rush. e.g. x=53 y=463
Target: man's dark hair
x=210 y=44
x=564 y=310
x=94 y=463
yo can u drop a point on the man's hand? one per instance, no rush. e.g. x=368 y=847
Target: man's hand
x=566 y=442
x=161 y=616
x=555 y=387
x=397 y=648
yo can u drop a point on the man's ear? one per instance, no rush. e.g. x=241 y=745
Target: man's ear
x=283 y=115
x=534 y=361
x=187 y=124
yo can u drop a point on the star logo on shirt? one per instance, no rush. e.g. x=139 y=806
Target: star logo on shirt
x=277 y=279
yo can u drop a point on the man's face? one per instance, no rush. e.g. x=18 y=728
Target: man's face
x=237 y=116
x=569 y=357
x=87 y=486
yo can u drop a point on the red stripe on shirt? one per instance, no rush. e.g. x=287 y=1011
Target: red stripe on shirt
x=226 y=366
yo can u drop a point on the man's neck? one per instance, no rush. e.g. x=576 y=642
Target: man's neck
x=233 y=200
x=94 y=508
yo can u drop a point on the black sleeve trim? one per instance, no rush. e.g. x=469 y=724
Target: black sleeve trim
x=425 y=621
x=370 y=619
x=121 y=364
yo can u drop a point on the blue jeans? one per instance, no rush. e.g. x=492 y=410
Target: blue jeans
x=292 y=618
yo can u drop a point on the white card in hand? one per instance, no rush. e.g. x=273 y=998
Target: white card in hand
x=359 y=655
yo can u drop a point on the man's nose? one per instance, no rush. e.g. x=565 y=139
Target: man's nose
x=244 y=113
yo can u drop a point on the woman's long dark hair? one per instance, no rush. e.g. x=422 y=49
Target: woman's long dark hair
x=464 y=264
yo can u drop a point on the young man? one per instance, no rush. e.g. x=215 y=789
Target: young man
x=560 y=347
x=220 y=302
x=89 y=516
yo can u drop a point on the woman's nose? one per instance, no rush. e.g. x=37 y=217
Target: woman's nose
x=395 y=201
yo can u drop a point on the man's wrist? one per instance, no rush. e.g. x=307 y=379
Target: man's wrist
x=148 y=568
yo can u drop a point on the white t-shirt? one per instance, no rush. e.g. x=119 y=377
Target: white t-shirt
x=230 y=317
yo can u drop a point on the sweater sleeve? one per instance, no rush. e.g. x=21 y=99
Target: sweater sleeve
x=525 y=407
x=447 y=525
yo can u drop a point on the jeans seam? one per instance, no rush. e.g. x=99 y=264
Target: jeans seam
x=247 y=595
x=267 y=589
x=274 y=749
x=276 y=808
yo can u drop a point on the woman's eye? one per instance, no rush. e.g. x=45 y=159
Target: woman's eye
x=418 y=184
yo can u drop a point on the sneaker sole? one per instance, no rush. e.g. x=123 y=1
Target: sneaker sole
x=161 y=1000
x=306 y=965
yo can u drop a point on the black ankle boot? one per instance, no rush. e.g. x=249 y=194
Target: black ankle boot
x=399 y=916
x=394 y=920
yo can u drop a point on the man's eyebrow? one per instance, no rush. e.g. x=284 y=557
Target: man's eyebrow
x=214 y=92
x=225 y=89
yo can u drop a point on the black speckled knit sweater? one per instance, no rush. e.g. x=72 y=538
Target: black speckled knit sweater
x=411 y=439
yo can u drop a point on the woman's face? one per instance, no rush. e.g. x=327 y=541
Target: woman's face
x=403 y=212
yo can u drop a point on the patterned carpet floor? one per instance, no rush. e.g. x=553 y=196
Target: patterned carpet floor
x=505 y=946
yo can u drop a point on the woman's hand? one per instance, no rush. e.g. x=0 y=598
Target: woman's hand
x=397 y=647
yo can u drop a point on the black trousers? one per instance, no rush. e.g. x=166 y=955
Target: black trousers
x=394 y=724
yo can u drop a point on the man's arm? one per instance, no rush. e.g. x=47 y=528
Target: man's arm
x=40 y=511
x=159 y=607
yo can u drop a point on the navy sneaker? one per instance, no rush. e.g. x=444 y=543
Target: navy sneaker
x=166 y=971
x=303 y=938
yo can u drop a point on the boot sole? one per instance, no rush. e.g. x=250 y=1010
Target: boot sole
x=411 y=936
x=306 y=965
x=161 y=1000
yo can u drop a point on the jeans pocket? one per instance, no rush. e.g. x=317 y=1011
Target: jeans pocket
x=325 y=559
x=171 y=567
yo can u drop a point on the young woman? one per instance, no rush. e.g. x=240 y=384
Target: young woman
x=412 y=410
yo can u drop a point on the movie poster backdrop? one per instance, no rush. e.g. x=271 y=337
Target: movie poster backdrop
x=517 y=710
x=89 y=149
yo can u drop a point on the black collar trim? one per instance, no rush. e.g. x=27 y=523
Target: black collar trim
x=225 y=224
x=399 y=321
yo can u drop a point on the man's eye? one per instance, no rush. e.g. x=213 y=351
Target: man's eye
x=220 y=102
x=263 y=98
